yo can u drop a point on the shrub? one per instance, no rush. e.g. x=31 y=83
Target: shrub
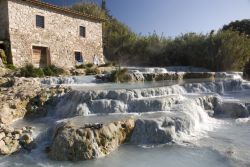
x=246 y=71
x=89 y=65
x=52 y=70
x=30 y=71
x=10 y=66
x=82 y=66
x=92 y=71
x=120 y=76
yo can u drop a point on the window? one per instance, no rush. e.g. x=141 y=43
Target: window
x=78 y=57
x=40 y=21
x=82 y=31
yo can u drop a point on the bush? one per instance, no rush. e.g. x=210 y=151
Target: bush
x=92 y=71
x=82 y=66
x=30 y=71
x=120 y=76
x=10 y=66
x=89 y=65
x=246 y=71
x=52 y=70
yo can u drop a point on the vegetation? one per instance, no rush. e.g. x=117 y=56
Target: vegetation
x=246 y=71
x=241 y=26
x=92 y=71
x=52 y=70
x=224 y=50
x=30 y=71
x=107 y=65
x=10 y=66
x=3 y=56
x=120 y=75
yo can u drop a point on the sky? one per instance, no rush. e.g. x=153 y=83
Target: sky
x=173 y=17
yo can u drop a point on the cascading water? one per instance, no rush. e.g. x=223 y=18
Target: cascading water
x=178 y=115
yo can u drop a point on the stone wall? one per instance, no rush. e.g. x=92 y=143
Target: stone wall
x=3 y=20
x=60 y=35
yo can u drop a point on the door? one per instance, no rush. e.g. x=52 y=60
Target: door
x=40 y=56
x=36 y=57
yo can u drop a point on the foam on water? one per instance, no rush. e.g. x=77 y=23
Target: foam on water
x=180 y=111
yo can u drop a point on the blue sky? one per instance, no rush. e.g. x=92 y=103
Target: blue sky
x=173 y=17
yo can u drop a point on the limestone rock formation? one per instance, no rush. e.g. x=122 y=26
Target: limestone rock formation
x=90 y=141
x=12 y=140
x=22 y=96
x=231 y=110
x=160 y=130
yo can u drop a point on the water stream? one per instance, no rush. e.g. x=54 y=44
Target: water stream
x=199 y=140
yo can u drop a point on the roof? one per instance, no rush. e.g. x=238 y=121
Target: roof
x=63 y=10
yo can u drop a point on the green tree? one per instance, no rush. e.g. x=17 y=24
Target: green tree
x=104 y=5
x=242 y=26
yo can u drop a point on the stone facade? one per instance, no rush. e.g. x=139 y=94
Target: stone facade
x=3 y=20
x=60 y=36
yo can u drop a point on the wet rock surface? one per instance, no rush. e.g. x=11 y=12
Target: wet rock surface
x=90 y=141
x=13 y=140
x=23 y=96
x=231 y=110
x=152 y=131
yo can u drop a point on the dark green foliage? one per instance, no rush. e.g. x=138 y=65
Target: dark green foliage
x=104 y=5
x=246 y=71
x=89 y=7
x=217 y=51
x=52 y=70
x=242 y=26
x=90 y=69
x=120 y=76
x=198 y=75
x=30 y=71
x=89 y=65
x=85 y=66
x=10 y=66
x=82 y=66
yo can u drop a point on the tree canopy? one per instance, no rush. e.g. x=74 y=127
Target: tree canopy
x=224 y=50
x=242 y=26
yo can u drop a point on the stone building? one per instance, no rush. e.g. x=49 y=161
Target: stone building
x=36 y=32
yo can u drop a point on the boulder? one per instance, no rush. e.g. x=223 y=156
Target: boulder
x=90 y=141
x=231 y=110
x=24 y=96
x=12 y=140
x=154 y=131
